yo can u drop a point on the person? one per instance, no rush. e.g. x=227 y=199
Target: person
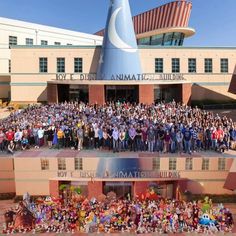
x=67 y=133
x=115 y=138
x=150 y=139
x=172 y=140
x=40 y=137
x=24 y=143
x=17 y=138
x=214 y=136
x=187 y=140
x=179 y=139
x=131 y=118
x=100 y=137
x=138 y=138
x=10 y=135
x=122 y=140
x=144 y=139
x=50 y=137
x=91 y=138
x=80 y=137
x=167 y=142
x=60 y=138
x=132 y=135
x=2 y=139
x=221 y=145
x=11 y=147
x=161 y=136
x=96 y=137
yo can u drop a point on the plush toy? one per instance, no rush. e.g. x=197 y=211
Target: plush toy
x=206 y=220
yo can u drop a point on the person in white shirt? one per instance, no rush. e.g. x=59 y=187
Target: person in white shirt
x=17 y=138
x=96 y=139
x=40 y=137
x=115 y=136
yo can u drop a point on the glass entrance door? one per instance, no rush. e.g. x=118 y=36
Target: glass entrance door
x=122 y=189
x=122 y=93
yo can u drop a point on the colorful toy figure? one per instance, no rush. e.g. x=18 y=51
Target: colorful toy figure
x=206 y=220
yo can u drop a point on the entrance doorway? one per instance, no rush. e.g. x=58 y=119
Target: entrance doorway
x=121 y=189
x=121 y=93
x=167 y=93
x=72 y=92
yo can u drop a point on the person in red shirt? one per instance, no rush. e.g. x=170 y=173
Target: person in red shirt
x=220 y=133
x=10 y=135
x=214 y=136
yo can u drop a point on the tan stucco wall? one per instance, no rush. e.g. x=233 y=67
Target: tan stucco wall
x=25 y=69
x=7 y=181
x=30 y=178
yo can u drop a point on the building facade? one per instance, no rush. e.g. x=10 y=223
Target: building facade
x=68 y=73
x=15 y=32
x=172 y=175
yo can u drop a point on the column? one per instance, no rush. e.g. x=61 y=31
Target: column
x=52 y=93
x=94 y=189
x=186 y=93
x=96 y=94
x=54 y=188
x=146 y=94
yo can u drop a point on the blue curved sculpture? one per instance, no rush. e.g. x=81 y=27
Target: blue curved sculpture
x=119 y=57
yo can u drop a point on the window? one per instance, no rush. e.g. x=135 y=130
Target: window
x=208 y=65
x=221 y=164
x=168 y=39
x=12 y=40
x=189 y=163
x=156 y=163
x=158 y=65
x=44 y=42
x=29 y=41
x=192 y=65
x=78 y=65
x=224 y=65
x=78 y=164
x=61 y=162
x=9 y=66
x=205 y=164
x=44 y=164
x=60 y=65
x=144 y=41
x=157 y=40
x=43 y=65
x=57 y=43
x=175 y=65
x=172 y=163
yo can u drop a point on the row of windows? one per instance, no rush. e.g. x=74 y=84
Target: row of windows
x=43 y=65
x=166 y=39
x=188 y=164
x=61 y=162
x=30 y=41
x=78 y=163
x=192 y=65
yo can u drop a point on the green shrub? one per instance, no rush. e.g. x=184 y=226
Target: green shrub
x=224 y=198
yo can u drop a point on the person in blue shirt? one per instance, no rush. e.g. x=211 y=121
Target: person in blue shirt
x=24 y=143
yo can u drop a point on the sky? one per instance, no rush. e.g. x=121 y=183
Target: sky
x=213 y=20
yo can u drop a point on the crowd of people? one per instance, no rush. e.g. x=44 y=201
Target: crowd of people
x=123 y=215
x=163 y=127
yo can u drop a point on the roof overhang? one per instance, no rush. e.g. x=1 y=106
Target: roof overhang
x=188 y=32
x=119 y=82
